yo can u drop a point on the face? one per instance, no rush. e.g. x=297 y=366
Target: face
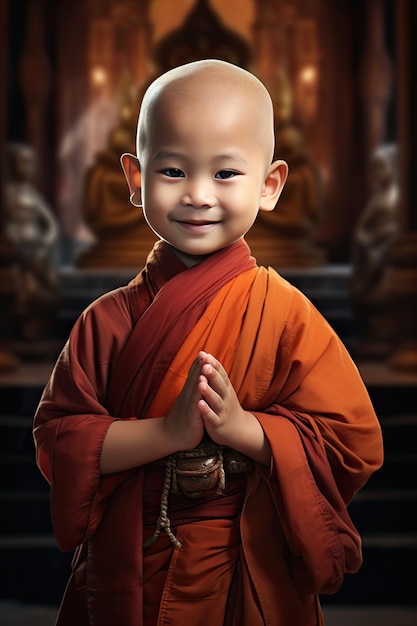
x=203 y=175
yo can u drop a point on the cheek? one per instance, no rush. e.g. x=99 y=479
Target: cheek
x=152 y=196
x=163 y=193
x=245 y=200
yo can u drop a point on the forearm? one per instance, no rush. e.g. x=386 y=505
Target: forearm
x=133 y=443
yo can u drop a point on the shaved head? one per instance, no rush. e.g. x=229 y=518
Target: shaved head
x=225 y=87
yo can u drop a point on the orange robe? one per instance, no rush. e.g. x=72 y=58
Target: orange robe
x=127 y=358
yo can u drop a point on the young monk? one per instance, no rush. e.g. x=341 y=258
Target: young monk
x=204 y=427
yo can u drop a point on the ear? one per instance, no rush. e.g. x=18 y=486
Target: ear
x=131 y=169
x=275 y=178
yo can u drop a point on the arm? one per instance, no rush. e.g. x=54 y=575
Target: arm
x=71 y=421
x=83 y=450
x=134 y=443
x=292 y=372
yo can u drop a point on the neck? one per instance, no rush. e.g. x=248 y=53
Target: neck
x=190 y=260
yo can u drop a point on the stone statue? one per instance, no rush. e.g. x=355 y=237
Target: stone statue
x=122 y=237
x=373 y=237
x=283 y=237
x=31 y=228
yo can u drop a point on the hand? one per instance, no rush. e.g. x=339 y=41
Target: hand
x=226 y=422
x=184 y=422
x=219 y=406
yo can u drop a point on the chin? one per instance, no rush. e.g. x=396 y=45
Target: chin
x=188 y=258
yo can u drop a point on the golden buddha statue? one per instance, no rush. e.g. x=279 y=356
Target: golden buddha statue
x=123 y=239
x=283 y=237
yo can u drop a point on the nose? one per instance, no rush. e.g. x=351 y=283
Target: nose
x=198 y=194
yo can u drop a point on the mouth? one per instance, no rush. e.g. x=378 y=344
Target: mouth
x=197 y=226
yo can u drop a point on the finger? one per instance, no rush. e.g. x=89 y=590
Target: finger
x=218 y=380
x=195 y=370
x=209 y=416
x=211 y=360
x=211 y=397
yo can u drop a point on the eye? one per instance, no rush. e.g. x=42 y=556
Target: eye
x=173 y=172
x=225 y=174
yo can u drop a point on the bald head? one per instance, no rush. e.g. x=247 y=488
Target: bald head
x=219 y=84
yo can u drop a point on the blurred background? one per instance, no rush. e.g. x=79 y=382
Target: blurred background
x=343 y=78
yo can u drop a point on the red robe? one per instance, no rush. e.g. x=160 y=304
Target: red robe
x=127 y=358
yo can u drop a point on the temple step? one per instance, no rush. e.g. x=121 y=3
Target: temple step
x=387 y=575
x=33 y=569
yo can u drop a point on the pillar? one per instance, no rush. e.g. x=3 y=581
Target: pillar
x=403 y=269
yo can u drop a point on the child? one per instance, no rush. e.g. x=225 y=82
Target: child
x=204 y=428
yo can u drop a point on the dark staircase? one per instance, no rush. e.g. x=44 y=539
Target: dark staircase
x=32 y=568
x=385 y=511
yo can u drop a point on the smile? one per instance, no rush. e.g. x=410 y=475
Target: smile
x=197 y=227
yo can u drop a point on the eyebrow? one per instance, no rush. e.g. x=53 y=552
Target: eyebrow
x=224 y=156
x=232 y=156
x=168 y=154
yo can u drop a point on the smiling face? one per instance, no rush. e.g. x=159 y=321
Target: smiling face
x=205 y=146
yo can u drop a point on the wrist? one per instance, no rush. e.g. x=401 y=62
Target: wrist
x=252 y=441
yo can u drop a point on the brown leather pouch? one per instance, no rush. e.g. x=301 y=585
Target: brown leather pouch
x=201 y=471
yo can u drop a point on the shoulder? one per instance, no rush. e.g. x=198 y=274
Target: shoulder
x=299 y=308
x=281 y=288
x=101 y=330
x=111 y=309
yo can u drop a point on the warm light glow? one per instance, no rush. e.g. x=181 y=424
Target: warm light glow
x=306 y=92
x=98 y=76
x=308 y=74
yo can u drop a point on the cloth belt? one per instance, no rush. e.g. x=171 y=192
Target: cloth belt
x=197 y=473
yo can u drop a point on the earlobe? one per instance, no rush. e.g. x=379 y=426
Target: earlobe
x=274 y=182
x=131 y=170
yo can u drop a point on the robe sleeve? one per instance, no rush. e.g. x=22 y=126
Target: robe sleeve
x=323 y=543
x=320 y=384
x=71 y=421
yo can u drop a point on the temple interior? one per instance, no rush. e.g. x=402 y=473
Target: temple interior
x=342 y=76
